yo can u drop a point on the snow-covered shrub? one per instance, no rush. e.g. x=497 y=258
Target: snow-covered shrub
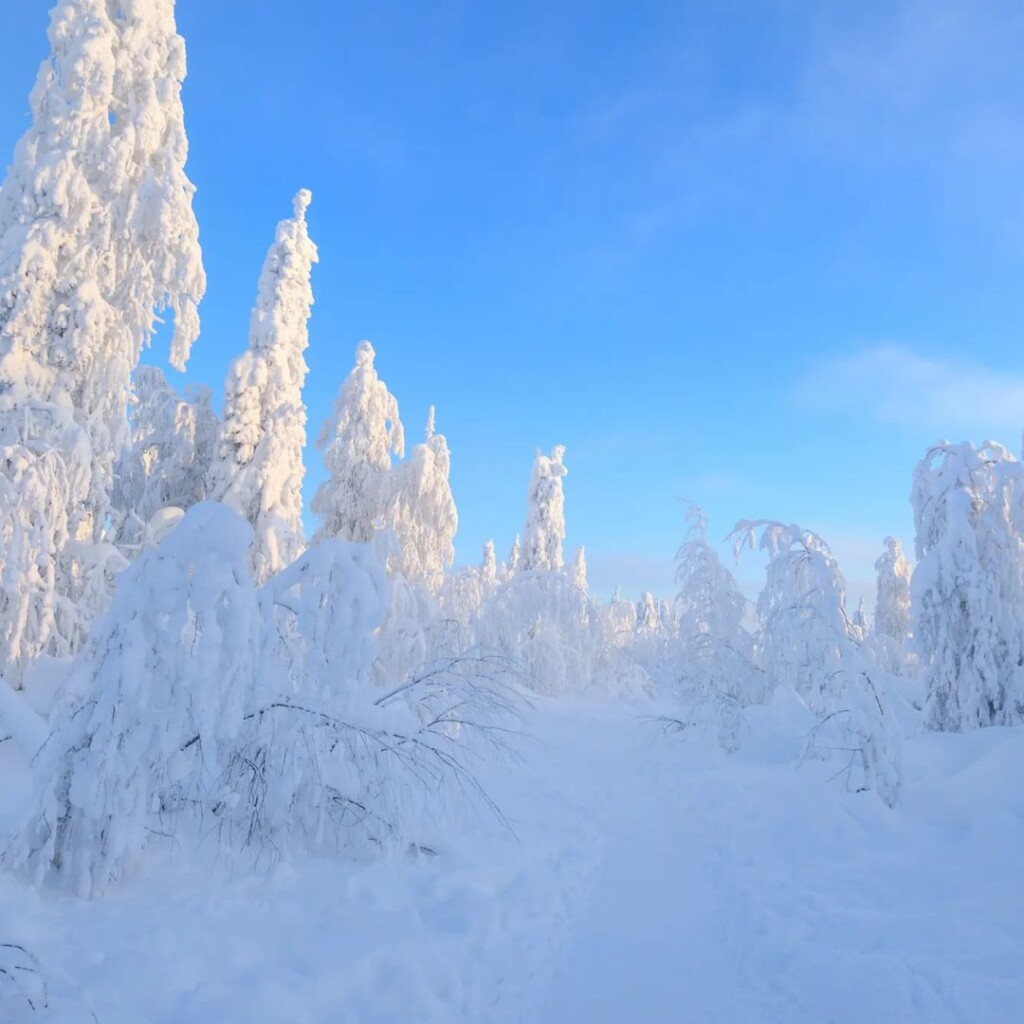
x=327 y=759
x=155 y=696
x=967 y=590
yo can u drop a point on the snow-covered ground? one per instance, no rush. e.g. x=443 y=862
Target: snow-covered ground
x=651 y=878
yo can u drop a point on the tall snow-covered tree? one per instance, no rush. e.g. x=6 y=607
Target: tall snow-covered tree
x=967 y=593
x=545 y=520
x=97 y=237
x=259 y=468
x=167 y=464
x=421 y=510
x=358 y=441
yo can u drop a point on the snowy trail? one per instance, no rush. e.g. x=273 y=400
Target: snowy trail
x=650 y=937
x=652 y=879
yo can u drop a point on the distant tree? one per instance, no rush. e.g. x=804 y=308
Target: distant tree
x=545 y=520
x=579 y=572
x=489 y=566
x=892 y=607
x=358 y=442
x=421 y=510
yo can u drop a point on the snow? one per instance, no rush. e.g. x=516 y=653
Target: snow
x=651 y=877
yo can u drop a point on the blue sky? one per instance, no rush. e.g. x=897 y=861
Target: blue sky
x=758 y=255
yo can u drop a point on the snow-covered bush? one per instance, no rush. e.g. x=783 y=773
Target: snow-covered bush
x=156 y=695
x=967 y=590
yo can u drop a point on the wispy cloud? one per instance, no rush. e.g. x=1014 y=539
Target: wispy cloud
x=892 y=385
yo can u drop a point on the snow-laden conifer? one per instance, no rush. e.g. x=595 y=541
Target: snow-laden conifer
x=966 y=592
x=358 y=441
x=421 y=511
x=579 y=572
x=259 y=468
x=97 y=237
x=545 y=519
x=167 y=464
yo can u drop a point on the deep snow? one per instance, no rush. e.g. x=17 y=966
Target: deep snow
x=651 y=878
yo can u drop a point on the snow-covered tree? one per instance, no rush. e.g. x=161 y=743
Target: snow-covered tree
x=545 y=520
x=97 y=233
x=712 y=664
x=892 y=604
x=647 y=618
x=358 y=442
x=421 y=510
x=97 y=237
x=489 y=566
x=891 y=633
x=805 y=641
x=158 y=690
x=514 y=558
x=259 y=468
x=579 y=572
x=168 y=461
x=967 y=592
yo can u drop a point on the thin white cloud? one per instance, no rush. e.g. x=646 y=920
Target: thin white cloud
x=892 y=385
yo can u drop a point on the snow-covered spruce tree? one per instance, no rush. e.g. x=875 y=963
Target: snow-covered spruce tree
x=713 y=671
x=167 y=464
x=97 y=236
x=514 y=558
x=259 y=468
x=647 y=618
x=489 y=565
x=545 y=519
x=358 y=442
x=157 y=695
x=967 y=593
x=579 y=572
x=805 y=641
x=892 y=605
x=421 y=511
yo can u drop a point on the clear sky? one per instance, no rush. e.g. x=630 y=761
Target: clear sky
x=754 y=254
